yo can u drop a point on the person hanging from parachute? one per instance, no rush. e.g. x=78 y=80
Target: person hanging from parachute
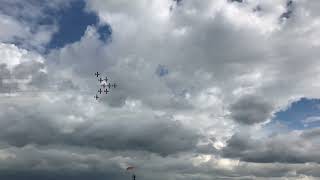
x=131 y=169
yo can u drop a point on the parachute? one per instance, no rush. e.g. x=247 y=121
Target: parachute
x=130 y=168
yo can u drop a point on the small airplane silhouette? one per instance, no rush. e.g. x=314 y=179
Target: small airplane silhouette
x=100 y=80
x=106 y=91
x=104 y=86
x=100 y=91
x=96 y=97
x=97 y=74
x=109 y=85
x=106 y=79
x=114 y=85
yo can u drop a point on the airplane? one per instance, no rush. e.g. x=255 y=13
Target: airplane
x=106 y=91
x=96 y=97
x=104 y=86
x=109 y=85
x=100 y=80
x=114 y=85
x=100 y=91
x=97 y=74
x=106 y=79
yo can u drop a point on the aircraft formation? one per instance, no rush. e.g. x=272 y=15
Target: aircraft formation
x=105 y=86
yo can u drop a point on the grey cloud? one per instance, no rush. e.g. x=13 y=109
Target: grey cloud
x=25 y=69
x=286 y=148
x=60 y=175
x=40 y=80
x=65 y=162
x=209 y=45
x=162 y=136
x=5 y=75
x=311 y=134
x=8 y=87
x=12 y=80
x=251 y=109
x=4 y=71
x=26 y=72
x=31 y=69
x=23 y=126
x=135 y=77
x=202 y=43
x=34 y=163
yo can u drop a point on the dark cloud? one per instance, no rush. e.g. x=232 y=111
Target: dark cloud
x=251 y=109
x=55 y=163
x=289 y=10
x=239 y=1
x=160 y=136
x=25 y=126
x=287 y=148
x=62 y=175
x=52 y=164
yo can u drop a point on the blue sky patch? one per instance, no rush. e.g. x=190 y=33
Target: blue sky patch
x=104 y=32
x=71 y=18
x=301 y=114
x=72 y=22
x=162 y=70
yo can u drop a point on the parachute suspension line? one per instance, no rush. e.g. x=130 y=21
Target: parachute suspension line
x=131 y=168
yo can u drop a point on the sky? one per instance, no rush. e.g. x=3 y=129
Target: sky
x=207 y=89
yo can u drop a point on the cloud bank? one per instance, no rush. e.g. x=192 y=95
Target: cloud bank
x=198 y=81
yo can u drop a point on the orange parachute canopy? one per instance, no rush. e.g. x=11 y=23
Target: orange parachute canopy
x=130 y=168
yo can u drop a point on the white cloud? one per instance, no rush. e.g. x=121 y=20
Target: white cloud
x=11 y=28
x=311 y=119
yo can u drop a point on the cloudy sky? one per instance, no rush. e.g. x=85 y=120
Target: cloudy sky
x=207 y=89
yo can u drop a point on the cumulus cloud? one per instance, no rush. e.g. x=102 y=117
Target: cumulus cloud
x=192 y=77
